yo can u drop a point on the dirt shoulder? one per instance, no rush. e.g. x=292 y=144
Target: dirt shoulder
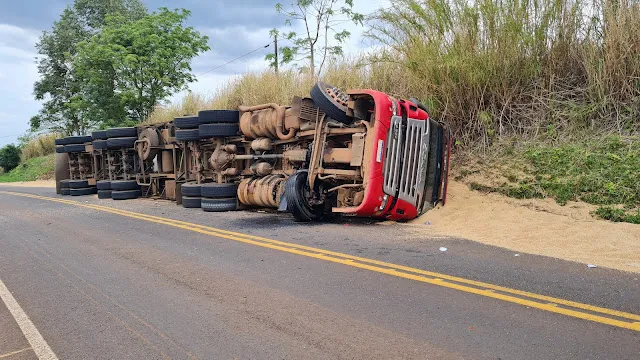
x=38 y=183
x=540 y=227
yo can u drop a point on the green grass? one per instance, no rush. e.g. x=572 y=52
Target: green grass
x=603 y=172
x=38 y=168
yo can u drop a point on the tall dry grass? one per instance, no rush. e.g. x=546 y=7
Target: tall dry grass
x=496 y=68
x=38 y=146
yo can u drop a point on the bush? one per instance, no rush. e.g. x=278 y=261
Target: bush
x=9 y=157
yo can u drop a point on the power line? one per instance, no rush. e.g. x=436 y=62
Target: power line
x=269 y=44
x=238 y=58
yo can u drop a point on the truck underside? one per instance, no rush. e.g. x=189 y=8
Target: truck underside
x=359 y=153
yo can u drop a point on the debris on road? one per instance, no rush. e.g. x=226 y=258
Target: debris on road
x=443 y=249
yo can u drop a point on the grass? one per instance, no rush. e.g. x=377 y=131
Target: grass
x=494 y=69
x=38 y=146
x=38 y=168
x=601 y=172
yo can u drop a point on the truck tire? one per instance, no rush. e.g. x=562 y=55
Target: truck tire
x=321 y=96
x=219 y=116
x=74 y=140
x=149 y=141
x=99 y=135
x=74 y=148
x=60 y=141
x=60 y=149
x=218 y=130
x=122 y=132
x=219 y=191
x=125 y=194
x=298 y=205
x=104 y=194
x=83 y=191
x=124 y=185
x=78 y=184
x=64 y=184
x=219 y=205
x=191 y=190
x=103 y=185
x=191 y=202
x=187 y=122
x=121 y=142
x=188 y=135
x=99 y=144
x=65 y=191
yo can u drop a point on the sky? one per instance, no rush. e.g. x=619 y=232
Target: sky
x=234 y=28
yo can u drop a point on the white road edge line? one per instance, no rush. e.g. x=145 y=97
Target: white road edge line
x=39 y=345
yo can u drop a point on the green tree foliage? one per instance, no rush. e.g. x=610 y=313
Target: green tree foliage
x=321 y=39
x=59 y=87
x=9 y=157
x=131 y=66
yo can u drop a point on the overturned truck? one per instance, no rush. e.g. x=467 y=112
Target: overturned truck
x=360 y=153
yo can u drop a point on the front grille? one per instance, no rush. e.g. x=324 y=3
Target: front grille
x=406 y=157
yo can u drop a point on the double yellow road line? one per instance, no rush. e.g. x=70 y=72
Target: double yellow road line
x=547 y=303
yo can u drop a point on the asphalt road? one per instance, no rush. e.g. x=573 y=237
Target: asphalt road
x=146 y=279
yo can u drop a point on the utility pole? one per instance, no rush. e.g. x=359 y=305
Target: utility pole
x=275 y=43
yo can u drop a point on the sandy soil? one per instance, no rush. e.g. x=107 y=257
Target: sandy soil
x=37 y=183
x=536 y=226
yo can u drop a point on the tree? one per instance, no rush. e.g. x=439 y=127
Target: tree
x=320 y=19
x=58 y=87
x=130 y=67
x=9 y=157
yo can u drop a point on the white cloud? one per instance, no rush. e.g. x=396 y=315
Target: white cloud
x=19 y=72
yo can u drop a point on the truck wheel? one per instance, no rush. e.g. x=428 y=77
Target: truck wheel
x=103 y=185
x=73 y=140
x=297 y=194
x=61 y=141
x=125 y=194
x=219 y=116
x=83 y=191
x=74 y=148
x=124 y=185
x=219 y=191
x=219 y=205
x=78 y=184
x=60 y=149
x=122 y=132
x=188 y=135
x=191 y=202
x=218 y=130
x=192 y=190
x=99 y=144
x=104 y=194
x=121 y=142
x=146 y=148
x=99 y=135
x=65 y=191
x=330 y=100
x=187 y=122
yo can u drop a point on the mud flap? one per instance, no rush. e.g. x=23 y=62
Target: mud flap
x=61 y=169
x=446 y=161
x=283 y=203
